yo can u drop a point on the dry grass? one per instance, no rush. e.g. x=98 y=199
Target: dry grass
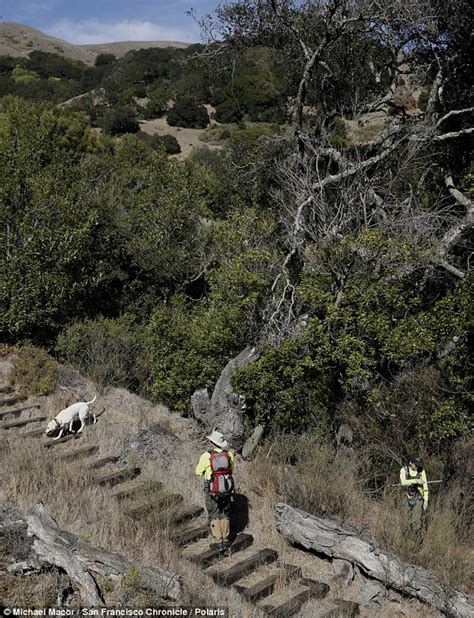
x=311 y=475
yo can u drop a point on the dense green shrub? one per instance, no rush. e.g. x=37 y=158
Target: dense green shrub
x=169 y=142
x=103 y=60
x=188 y=114
x=111 y=352
x=119 y=120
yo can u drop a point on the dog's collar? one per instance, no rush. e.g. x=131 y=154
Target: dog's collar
x=57 y=422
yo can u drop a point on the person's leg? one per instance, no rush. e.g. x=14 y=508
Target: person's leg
x=417 y=517
x=213 y=516
x=224 y=511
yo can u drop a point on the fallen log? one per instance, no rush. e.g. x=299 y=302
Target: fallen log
x=335 y=540
x=81 y=560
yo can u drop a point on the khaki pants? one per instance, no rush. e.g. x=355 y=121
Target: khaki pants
x=218 y=514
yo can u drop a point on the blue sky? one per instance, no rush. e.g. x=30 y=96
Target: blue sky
x=100 y=21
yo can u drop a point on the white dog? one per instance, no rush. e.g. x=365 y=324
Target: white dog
x=67 y=417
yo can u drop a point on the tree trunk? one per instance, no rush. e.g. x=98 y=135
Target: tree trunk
x=337 y=541
x=225 y=409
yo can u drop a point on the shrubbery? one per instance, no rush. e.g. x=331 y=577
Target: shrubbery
x=108 y=351
x=119 y=120
x=187 y=113
x=169 y=142
x=34 y=372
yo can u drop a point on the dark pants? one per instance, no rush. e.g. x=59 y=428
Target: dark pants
x=218 y=509
x=217 y=506
x=414 y=515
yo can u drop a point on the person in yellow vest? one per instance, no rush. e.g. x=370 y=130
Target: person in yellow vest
x=216 y=466
x=413 y=480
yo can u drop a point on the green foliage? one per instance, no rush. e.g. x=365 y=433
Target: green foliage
x=157 y=103
x=188 y=113
x=168 y=142
x=190 y=343
x=47 y=225
x=119 y=119
x=47 y=65
x=103 y=60
x=34 y=372
x=254 y=90
x=111 y=352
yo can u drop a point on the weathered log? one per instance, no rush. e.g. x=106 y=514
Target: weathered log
x=334 y=540
x=80 y=560
x=225 y=409
x=252 y=443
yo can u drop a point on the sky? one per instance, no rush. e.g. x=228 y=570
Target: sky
x=101 y=21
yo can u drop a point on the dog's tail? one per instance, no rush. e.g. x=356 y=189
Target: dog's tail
x=89 y=403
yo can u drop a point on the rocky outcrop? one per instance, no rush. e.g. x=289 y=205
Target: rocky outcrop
x=225 y=409
x=336 y=541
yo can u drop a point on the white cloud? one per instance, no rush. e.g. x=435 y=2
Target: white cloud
x=90 y=31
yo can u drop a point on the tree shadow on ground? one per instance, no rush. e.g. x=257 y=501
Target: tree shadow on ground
x=239 y=513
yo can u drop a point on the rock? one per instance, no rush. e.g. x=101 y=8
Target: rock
x=224 y=411
x=371 y=593
x=201 y=404
x=344 y=436
x=23 y=567
x=252 y=443
x=343 y=570
x=154 y=442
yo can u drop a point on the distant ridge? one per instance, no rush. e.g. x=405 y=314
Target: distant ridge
x=20 y=40
x=120 y=48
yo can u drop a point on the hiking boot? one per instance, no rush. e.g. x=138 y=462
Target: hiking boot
x=217 y=547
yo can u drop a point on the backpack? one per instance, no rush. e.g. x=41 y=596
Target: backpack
x=222 y=481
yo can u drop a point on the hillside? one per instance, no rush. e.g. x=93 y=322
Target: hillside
x=19 y=40
x=132 y=432
x=120 y=48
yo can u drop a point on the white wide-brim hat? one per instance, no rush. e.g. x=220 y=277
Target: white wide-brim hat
x=218 y=439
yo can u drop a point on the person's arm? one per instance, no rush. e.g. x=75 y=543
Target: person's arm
x=424 y=490
x=406 y=482
x=203 y=464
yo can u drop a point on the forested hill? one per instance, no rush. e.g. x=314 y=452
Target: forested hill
x=330 y=227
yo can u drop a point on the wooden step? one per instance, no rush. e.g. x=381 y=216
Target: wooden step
x=264 y=556
x=205 y=559
x=319 y=590
x=114 y=478
x=187 y=513
x=6 y=401
x=70 y=436
x=128 y=492
x=6 y=388
x=266 y=587
x=161 y=503
x=315 y=590
x=4 y=413
x=185 y=538
x=100 y=463
x=22 y=422
x=34 y=433
x=80 y=453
